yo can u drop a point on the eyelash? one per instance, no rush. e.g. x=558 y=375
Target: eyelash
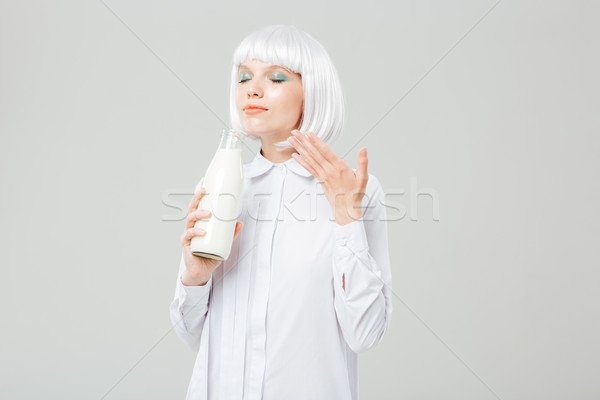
x=272 y=80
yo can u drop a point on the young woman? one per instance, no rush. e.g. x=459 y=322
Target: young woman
x=308 y=283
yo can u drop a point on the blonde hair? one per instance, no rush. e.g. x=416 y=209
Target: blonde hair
x=287 y=46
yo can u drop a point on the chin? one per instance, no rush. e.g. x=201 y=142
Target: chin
x=262 y=128
x=259 y=129
x=255 y=131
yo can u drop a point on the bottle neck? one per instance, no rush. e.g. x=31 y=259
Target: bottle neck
x=229 y=140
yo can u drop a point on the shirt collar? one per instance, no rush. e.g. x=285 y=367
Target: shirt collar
x=260 y=165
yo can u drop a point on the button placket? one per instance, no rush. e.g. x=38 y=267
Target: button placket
x=263 y=278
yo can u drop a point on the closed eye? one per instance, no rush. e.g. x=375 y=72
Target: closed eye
x=244 y=76
x=275 y=77
x=278 y=78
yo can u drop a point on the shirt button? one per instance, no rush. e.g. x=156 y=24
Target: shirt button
x=281 y=167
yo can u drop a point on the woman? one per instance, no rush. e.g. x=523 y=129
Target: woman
x=308 y=283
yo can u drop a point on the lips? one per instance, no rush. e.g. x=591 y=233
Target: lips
x=254 y=107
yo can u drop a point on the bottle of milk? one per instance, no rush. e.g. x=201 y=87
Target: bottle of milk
x=223 y=183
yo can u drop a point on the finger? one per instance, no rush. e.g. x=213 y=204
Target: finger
x=306 y=165
x=187 y=236
x=196 y=200
x=308 y=158
x=314 y=153
x=362 y=174
x=238 y=228
x=195 y=216
x=323 y=149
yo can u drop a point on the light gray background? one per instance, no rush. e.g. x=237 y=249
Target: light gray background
x=497 y=116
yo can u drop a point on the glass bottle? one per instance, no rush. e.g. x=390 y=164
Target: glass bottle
x=223 y=182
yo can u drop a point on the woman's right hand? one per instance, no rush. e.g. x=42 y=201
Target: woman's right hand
x=198 y=269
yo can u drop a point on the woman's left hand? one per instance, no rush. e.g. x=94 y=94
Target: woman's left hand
x=343 y=187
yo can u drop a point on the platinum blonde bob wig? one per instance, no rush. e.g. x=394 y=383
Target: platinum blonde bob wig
x=285 y=45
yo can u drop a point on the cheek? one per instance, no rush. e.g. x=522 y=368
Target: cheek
x=299 y=102
x=239 y=97
x=293 y=101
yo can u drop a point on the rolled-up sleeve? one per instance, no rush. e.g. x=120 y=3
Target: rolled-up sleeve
x=362 y=274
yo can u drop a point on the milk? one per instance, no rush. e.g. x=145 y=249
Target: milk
x=223 y=182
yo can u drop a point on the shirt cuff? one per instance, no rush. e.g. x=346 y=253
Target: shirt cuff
x=194 y=294
x=352 y=234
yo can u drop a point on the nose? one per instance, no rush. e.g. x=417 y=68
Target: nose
x=254 y=90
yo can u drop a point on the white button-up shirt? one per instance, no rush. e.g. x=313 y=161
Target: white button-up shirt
x=274 y=321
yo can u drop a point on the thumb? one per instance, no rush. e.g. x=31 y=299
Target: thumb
x=362 y=174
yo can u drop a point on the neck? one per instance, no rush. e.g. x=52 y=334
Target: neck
x=274 y=153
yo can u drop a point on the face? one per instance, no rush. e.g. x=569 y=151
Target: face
x=269 y=99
